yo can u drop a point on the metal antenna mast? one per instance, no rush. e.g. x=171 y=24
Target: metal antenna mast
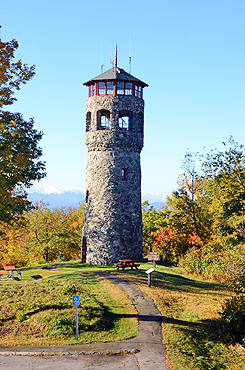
x=116 y=56
x=130 y=59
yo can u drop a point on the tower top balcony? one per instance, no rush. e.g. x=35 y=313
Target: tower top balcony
x=115 y=81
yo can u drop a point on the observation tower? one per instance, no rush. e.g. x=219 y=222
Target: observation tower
x=112 y=224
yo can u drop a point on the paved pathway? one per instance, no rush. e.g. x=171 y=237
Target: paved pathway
x=71 y=362
x=146 y=351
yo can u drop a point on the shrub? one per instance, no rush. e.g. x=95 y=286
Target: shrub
x=233 y=318
x=69 y=289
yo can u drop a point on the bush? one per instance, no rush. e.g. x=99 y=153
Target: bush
x=204 y=261
x=233 y=319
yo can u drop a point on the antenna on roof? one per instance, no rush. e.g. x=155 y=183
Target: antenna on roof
x=101 y=65
x=116 y=56
x=130 y=59
x=111 y=60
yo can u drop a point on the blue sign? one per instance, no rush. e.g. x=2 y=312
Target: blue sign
x=75 y=300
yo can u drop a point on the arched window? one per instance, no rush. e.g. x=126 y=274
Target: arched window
x=124 y=119
x=103 y=120
x=88 y=121
x=124 y=174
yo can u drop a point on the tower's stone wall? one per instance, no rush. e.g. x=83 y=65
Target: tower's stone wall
x=112 y=212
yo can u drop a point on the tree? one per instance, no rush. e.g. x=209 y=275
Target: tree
x=189 y=181
x=225 y=171
x=170 y=244
x=12 y=74
x=42 y=235
x=53 y=234
x=151 y=220
x=19 y=150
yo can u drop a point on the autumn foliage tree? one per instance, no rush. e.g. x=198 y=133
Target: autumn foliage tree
x=42 y=235
x=19 y=150
x=152 y=220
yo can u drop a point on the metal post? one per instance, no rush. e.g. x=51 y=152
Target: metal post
x=149 y=280
x=149 y=276
x=76 y=323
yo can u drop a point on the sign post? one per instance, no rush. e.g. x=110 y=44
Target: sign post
x=149 y=276
x=153 y=256
x=76 y=302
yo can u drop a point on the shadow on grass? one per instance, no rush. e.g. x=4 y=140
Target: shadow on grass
x=176 y=282
x=202 y=342
x=102 y=317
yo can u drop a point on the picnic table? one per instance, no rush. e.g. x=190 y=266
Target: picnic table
x=10 y=271
x=126 y=263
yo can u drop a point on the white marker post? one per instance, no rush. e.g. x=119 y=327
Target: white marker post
x=149 y=276
x=76 y=302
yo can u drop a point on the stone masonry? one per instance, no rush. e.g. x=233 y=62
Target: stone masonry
x=112 y=226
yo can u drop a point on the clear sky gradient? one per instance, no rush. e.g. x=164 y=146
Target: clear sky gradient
x=190 y=52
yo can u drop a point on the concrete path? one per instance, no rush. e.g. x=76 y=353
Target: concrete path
x=145 y=352
x=71 y=362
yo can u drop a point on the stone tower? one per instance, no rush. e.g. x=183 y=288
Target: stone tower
x=112 y=224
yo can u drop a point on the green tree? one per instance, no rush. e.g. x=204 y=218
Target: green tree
x=53 y=234
x=12 y=74
x=151 y=220
x=189 y=180
x=19 y=150
x=41 y=235
x=225 y=171
x=181 y=214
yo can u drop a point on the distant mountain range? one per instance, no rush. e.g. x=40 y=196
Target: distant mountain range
x=57 y=200
x=73 y=198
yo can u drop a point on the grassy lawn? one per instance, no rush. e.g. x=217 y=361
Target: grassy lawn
x=38 y=309
x=190 y=308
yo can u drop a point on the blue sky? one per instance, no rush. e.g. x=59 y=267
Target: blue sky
x=190 y=52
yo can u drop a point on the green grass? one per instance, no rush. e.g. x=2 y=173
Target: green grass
x=190 y=308
x=38 y=309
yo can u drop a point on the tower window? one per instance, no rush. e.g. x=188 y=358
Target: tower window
x=120 y=88
x=124 y=88
x=124 y=174
x=88 y=121
x=103 y=120
x=109 y=88
x=101 y=88
x=91 y=90
x=128 y=88
x=124 y=119
x=123 y=122
x=138 y=91
x=86 y=198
